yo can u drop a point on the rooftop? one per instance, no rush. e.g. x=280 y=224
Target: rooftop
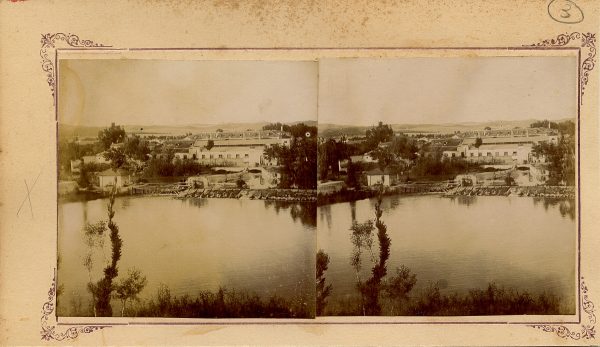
x=378 y=171
x=111 y=172
x=240 y=142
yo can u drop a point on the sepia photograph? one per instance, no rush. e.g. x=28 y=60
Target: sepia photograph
x=186 y=189
x=447 y=186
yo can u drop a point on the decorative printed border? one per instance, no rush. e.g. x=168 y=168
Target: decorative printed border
x=48 y=43
x=588 y=40
x=49 y=330
x=587 y=331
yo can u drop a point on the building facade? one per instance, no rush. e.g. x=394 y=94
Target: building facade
x=234 y=152
x=499 y=149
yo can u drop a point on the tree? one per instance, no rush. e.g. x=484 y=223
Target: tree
x=323 y=290
x=384 y=157
x=240 y=183
x=478 y=142
x=276 y=126
x=544 y=124
x=116 y=156
x=210 y=144
x=128 y=288
x=352 y=171
x=404 y=147
x=136 y=148
x=83 y=180
x=373 y=285
x=102 y=289
x=398 y=286
x=93 y=235
x=298 y=162
x=560 y=158
x=376 y=135
x=362 y=239
x=323 y=162
x=114 y=134
x=301 y=130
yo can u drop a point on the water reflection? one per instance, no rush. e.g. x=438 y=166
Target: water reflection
x=197 y=202
x=305 y=212
x=464 y=242
x=259 y=247
x=464 y=200
x=565 y=207
x=325 y=214
x=352 y=211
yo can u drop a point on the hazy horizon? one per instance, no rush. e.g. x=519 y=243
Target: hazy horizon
x=363 y=91
x=206 y=125
x=130 y=91
x=346 y=92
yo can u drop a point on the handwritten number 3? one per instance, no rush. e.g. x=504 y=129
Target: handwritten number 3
x=564 y=12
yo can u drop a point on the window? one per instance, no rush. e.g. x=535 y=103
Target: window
x=479 y=154
x=505 y=154
x=489 y=154
x=497 y=154
x=203 y=156
x=220 y=155
x=237 y=155
x=515 y=153
x=228 y=156
x=472 y=154
x=185 y=156
x=211 y=156
x=246 y=155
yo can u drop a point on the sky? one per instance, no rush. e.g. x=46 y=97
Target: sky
x=161 y=92
x=346 y=91
x=446 y=90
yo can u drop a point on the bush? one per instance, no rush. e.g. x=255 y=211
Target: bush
x=220 y=304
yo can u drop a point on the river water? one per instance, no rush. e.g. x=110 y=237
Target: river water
x=261 y=247
x=461 y=243
x=268 y=248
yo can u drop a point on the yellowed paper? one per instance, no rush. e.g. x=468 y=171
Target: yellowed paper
x=37 y=37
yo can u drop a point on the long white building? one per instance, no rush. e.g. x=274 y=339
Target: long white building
x=247 y=152
x=500 y=150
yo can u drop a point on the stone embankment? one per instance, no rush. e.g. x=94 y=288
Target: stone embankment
x=558 y=192
x=291 y=195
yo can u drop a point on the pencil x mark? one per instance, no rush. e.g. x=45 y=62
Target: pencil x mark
x=28 y=195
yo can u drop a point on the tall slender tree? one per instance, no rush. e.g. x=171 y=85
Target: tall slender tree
x=103 y=289
x=323 y=290
x=373 y=286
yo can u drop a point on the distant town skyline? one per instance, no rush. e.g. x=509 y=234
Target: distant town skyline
x=163 y=92
x=364 y=91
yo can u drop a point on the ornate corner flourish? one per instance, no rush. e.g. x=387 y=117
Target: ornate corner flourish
x=588 y=40
x=49 y=330
x=49 y=42
x=584 y=331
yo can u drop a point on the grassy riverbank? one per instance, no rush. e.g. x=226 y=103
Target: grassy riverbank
x=434 y=301
x=223 y=303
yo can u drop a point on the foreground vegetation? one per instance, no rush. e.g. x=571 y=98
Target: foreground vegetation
x=220 y=304
x=223 y=303
x=383 y=293
x=432 y=301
